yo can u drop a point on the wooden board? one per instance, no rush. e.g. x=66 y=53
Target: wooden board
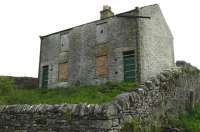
x=63 y=72
x=101 y=66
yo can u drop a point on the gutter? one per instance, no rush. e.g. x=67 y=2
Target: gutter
x=129 y=16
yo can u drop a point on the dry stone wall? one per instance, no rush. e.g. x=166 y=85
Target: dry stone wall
x=172 y=92
x=24 y=82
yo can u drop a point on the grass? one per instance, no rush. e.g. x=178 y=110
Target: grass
x=189 y=122
x=85 y=94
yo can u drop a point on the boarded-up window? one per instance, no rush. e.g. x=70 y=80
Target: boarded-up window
x=63 y=72
x=101 y=66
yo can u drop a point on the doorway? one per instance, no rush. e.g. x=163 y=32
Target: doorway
x=45 y=70
x=129 y=66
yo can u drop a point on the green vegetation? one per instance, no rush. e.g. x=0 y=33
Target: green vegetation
x=189 y=122
x=133 y=126
x=97 y=94
x=6 y=85
x=138 y=125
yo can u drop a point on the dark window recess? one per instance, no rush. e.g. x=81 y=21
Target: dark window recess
x=45 y=70
x=102 y=31
x=129 y=66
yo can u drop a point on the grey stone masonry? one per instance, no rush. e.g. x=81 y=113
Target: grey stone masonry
x=24 y=82
x=172 y=92
x=106 y=12
x=156 y=43
x=142 y=30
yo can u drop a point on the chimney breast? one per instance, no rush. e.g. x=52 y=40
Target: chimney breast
x=106 y=12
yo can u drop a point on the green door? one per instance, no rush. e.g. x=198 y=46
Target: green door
x=129 y=66
x=45 y=76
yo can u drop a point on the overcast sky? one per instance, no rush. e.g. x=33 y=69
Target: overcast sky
x=23 y=21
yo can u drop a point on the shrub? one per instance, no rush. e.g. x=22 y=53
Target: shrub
x=6 y=85
x=188 y=122
x=139 y=125
x=133 y=126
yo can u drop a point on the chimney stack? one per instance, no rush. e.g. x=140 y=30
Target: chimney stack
x=106 y=12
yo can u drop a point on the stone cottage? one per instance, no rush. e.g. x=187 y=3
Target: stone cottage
x=131 y=46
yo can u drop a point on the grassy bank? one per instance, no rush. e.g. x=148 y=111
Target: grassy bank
x=189 y=122
x=97 y=94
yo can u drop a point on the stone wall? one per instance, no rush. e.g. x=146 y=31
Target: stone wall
x=172 y=92
x=24 y=82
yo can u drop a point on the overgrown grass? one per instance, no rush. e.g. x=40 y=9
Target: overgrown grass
x=189 y=122
x=85 y=94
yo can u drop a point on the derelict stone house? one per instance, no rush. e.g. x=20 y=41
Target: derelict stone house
x=131 y=46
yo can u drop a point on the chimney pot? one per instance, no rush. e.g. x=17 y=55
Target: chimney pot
x=106 y=12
